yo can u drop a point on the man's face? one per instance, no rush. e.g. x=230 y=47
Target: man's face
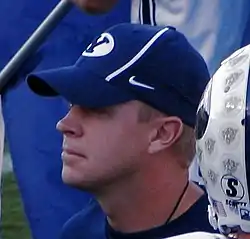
x=102 y=146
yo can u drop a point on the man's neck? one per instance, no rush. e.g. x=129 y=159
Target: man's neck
x=149 y=205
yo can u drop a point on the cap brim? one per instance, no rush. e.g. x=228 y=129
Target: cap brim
x=78 y=87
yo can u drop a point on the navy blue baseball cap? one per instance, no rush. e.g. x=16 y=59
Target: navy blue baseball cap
x=155 y=65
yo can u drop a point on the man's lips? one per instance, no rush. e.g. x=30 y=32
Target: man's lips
x=70 y=151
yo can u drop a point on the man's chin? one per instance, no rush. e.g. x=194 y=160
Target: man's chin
x=76 y=183
x=70 y=180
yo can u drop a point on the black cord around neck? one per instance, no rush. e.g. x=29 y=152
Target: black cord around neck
x=178 y=202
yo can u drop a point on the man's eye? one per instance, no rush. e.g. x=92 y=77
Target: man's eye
x=103 y=112
x=100 y=112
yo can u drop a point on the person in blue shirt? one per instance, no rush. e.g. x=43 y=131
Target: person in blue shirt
x=129 y=133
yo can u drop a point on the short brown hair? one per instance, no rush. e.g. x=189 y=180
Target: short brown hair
x=186 y=145
x=146 y=113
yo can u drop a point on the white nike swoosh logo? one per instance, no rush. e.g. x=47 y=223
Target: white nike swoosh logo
x=132 y=81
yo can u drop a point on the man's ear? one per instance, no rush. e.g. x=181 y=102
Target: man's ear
x=166 y=132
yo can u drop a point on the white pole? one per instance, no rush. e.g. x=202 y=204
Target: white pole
x=35 y=41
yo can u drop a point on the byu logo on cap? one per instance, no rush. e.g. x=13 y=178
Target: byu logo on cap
x=101 y=46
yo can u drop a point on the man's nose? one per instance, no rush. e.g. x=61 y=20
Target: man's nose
x=69 y=126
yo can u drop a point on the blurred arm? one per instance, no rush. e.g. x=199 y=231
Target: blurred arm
x=95 y=6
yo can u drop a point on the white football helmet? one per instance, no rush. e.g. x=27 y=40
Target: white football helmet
x=198 y=235
x=223 y=143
